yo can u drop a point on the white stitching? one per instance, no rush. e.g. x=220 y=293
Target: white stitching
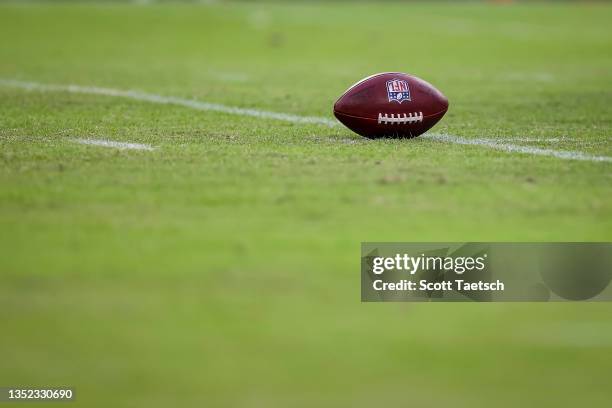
x=409 y=118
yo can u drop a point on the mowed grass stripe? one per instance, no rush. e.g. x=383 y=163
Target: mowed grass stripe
x=261 y=114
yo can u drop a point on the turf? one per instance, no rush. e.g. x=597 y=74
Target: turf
x=222 y=268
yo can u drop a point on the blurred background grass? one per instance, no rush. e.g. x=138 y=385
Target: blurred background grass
x=222 y=269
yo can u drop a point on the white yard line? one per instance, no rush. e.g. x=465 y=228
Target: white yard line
x=297 y=119
x=113 y=144
x=512 y=148
x=529 y=139
x=169 y=100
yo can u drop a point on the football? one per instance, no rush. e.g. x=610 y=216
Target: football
x=391 y=104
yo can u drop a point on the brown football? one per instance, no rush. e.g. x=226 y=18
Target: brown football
x=391 y=104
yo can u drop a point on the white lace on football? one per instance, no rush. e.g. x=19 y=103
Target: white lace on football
x=400 y=118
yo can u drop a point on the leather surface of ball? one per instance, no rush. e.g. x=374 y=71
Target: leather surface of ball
x=391 y=104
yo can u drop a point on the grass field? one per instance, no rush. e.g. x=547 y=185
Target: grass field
x=222 y=267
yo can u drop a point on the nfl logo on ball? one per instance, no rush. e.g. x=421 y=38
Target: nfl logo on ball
x=398 y=90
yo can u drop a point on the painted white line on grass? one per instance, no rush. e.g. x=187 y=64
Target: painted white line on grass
x=113 y=144
x=560 y=154
x=170 y=100
x=214 y=107
x=530 y=139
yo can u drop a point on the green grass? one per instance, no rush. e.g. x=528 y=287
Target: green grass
x=222 y=268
